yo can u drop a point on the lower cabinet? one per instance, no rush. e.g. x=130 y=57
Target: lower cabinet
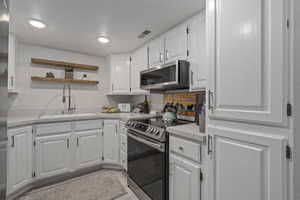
x=88 y=148
x=111 y=141
x=19 y=153
x=185 y=179
x=52 y=155
x=246 y=166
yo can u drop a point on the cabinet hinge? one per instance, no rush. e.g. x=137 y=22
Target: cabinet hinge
x=130 y=58
x=188 y=53
x=201 y=176
x=34 y=143
x=187 y=30
x=289 y=110
x=33 y=174
x=102 y=157
x=288 y=152
x=287 y=23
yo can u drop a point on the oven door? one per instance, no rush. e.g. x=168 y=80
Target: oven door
x=147 y=165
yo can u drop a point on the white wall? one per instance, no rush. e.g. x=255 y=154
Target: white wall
x=35 y=97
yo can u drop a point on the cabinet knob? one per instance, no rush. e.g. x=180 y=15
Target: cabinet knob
x=181 y=148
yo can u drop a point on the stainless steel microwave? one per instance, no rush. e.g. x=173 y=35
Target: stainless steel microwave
x=173 y=75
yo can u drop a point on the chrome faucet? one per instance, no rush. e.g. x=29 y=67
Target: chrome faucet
x=70 y=108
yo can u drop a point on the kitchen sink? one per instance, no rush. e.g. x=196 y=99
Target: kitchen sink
x=67 y=115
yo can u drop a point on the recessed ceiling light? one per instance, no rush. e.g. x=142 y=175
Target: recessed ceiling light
x=103 y=39
x=4 y=18
x=37 y=23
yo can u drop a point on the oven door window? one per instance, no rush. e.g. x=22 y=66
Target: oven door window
x=146 y=167
x=164 y=75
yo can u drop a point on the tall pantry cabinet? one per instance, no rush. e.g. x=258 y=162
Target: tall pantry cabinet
x=249 y=126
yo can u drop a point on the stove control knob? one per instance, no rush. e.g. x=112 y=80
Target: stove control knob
x=157 y=132
x=151 y=130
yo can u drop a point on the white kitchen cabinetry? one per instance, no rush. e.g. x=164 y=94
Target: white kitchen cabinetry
x=111 y=141
x=197 y=52
x=247 y=58
x=19 y=158
x=88 y=148
x=246 y=165
x=185 y=182
x=176 y=43
x=120 y=74
x=139 y=62
x=12 y=56
x=52 y=155
x=156 y=50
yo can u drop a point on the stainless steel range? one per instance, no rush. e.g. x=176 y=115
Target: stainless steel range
x=148 y=158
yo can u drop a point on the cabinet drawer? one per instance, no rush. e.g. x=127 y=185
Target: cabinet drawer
x=186 y=148
x=88 y=125
x=111 y=121
x=123 y=142
x=123 y=159
x=53 y=128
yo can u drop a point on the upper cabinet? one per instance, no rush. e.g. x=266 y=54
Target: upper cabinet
x=12 y=51
x=197 y=52
x=176 y=43
x=139 y=62
x=120 y=73
x=156 y=51
x=247 y=60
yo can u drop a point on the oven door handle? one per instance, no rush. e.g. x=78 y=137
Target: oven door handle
x=159 y=147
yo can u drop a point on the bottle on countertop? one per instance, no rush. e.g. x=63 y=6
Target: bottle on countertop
x=146 y=105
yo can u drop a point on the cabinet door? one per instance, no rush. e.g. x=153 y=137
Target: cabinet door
x=52 y=155
x=12 y=50
x=139 y=62
x=19 y=158
x=247 y=60
x=176 y=43
x=89 y=151
x=197 y=52
x=156 y=52
x=246 y=166
x=185 y=180
x=111 y=142
x=120 y=74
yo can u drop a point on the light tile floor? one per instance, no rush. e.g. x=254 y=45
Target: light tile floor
x=122 y=177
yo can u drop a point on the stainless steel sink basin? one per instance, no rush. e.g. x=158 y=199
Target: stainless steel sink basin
x=67 y=115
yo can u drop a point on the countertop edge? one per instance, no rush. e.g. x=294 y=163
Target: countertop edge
x=34 y=121
x=176 y=131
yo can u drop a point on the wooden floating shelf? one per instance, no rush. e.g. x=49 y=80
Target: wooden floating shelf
x=63 y=64
x=62 y=80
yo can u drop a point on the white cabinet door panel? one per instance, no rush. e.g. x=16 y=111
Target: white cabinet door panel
x=88 y=148
x=247 y=166
x=111 y=142
x=246 y=58
x=52 y=155
x=19 y=158
x=156 y=52
x=139 y=62
x=197 y=52
x=185 y=180
x=176 y=43
x=120 y=74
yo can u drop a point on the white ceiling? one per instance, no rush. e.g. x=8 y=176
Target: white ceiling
x=75 y=24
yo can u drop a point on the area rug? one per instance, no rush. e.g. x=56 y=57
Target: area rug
x=102 y=185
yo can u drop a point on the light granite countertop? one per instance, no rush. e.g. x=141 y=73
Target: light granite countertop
x=26 y=121
x=187 y=131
